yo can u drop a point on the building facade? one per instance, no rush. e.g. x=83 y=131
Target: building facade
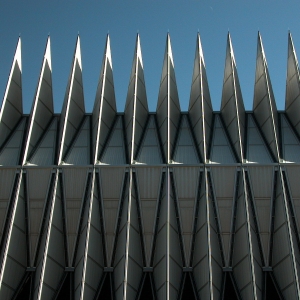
x=139 y=205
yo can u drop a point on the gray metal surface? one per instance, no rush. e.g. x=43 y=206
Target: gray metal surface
x=127 y=223
x=12 y=106
x=136 y=107
x=42 y=108
x=200 y=107
x=104 y=110
x=185 y=149
x=221 y=151
x=264 y=106
x=232 y=105
x=257 y=151
x=168 y=107
x=150 y=152
x=292 y=98
x=73 y=107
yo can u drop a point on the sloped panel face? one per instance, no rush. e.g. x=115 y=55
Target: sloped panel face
x=257 y=151
x=282 y=260
x=242 y=262
x=221 y=151
x=93 y=252
x=186 y=181
x=185 y=150
x=134 y=249
x=40 y=259
x=79 y=152
x=10 y=154
x=15 y=261
x=44 y=153
x=73 y=108
x=136 y=108
x=292 y=100
x=168 y=107
x=55 y=256
x=200 y=107
x=262 y=185
x=38 y=183
x=105 y=104
x=119 y=255
x=7 y=178
x=160 y=265
x=12 y=108
x=290 y=142
x=148 y=185
x=232 y=106
x=75 y=182
x=293 y=173
x=150 y=152
x=42 y=109
x=80 y=259
x=112 y=185
x=114 y=153
x=176 y=258
x=200 y=259
x=224 y=181
x=264 y=107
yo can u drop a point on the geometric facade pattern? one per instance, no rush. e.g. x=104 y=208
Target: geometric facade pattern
x=141 y=205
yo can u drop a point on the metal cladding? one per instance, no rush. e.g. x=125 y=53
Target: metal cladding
x=141 y=205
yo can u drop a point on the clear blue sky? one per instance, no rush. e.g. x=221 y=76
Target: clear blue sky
x=63 y=19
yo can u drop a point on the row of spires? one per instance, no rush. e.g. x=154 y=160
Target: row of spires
x=168 y=110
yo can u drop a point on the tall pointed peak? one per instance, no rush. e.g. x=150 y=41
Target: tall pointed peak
x=139 y=50
x=199 y=49
x=260 y=48
x=48 y=52
x=169 y=49
x=18 y=58
x=78 y=51
x=230 y=47
x=108 y=50
x=291 y=48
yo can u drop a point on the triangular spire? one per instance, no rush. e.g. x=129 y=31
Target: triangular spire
x=12 y=107
x=264 y=106
x=168 y=106
x=105 y=109
x=292 y=98
x=200 y=107
x=136 y=108
x=42 y=108
x=73 y=107
x=232 y=106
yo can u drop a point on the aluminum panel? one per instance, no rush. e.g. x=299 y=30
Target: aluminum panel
x=257 y=151
x=290 y=142
x=221 y=151
x=9 y=155
x=115 y=150
x=80 y=149
x=282 y=258
x=105 y=103
x=15 y=261
x=264 y=106
x=148 y=181
x=9 y=117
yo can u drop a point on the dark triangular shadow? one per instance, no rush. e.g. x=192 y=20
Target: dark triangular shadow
x=271 y=290
x=147 y=291
x=24 y=293
x=65 y=292
x=188 y=290
x=229 y=290
x=106 y=290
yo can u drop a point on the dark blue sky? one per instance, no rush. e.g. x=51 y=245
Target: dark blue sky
x=63 y=19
